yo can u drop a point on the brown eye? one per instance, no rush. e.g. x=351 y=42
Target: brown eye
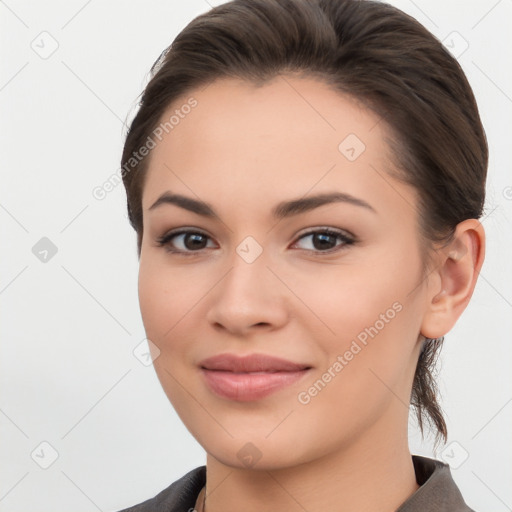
x=185 y=241
x=194 y=241
x=324 y=240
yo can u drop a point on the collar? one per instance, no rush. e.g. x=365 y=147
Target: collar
x=438 y=491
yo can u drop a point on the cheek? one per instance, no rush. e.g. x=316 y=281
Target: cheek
x=165 y=303
x=152 y=301
x=369 y=319
x=367 y=370
x=165 y=298
x=348 y=300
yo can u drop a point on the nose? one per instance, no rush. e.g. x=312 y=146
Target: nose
x=248 y=299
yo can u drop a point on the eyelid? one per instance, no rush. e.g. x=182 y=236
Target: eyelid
x=327 y=229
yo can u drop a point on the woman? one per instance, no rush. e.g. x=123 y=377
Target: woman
x=305 y=179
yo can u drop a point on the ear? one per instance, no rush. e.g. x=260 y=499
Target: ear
x=453 y=281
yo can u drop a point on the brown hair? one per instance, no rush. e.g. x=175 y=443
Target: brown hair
x=369 y=50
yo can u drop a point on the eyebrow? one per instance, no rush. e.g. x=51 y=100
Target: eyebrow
x=280 y=211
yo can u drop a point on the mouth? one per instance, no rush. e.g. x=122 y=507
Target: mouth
x=250 y=378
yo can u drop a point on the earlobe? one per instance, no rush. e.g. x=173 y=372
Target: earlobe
x=458 y=267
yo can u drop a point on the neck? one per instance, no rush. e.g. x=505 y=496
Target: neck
x=371 y=474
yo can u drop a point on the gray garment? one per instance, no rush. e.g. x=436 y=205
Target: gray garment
x=438 y=491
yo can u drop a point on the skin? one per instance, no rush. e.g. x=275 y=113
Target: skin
x=243 y=150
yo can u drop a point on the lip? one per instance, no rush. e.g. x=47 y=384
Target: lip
x=250 y=378
x=252 y=363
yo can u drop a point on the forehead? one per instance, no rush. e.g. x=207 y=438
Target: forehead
x=255 y=143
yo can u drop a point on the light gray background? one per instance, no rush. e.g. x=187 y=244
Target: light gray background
x=70 y=324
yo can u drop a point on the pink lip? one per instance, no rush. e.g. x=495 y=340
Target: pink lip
x=251 y=377
x=252 y=363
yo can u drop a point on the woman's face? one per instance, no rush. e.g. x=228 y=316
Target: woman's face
x=293 y=242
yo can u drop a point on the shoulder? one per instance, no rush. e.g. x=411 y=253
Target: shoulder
x=180 y=496
x=437 y=492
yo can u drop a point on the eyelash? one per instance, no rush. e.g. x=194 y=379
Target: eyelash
x=347 y=240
